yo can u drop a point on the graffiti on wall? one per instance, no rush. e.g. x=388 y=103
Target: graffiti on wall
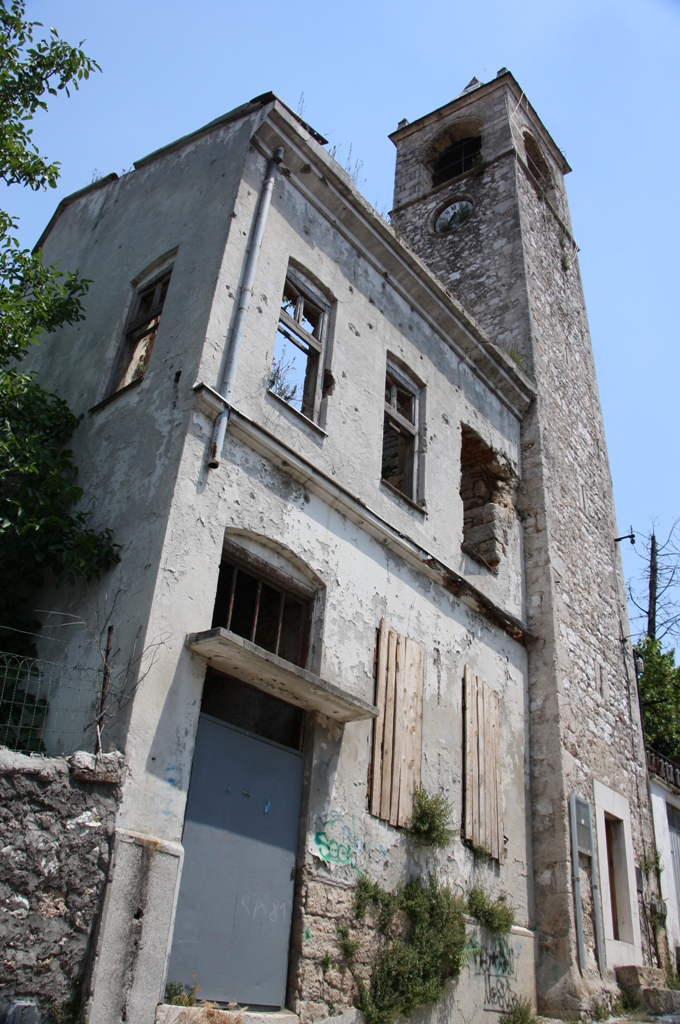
x=496 y=960
x=337 y=840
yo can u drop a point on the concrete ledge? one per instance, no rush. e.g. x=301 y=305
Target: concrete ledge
x=166 y=1014
x=240 y=658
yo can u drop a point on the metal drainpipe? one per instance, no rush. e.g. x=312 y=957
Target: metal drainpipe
x=222 y=420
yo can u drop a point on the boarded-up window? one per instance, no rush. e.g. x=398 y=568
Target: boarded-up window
x=483 y=808
x=397 y=736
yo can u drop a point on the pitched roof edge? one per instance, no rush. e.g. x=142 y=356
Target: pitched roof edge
x=68 y=200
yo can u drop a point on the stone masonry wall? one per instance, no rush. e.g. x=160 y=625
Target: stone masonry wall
x=56 y=833
x=498 y=973
x=513 y=265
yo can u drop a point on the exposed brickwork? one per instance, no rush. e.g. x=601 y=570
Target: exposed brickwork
x=55 y=843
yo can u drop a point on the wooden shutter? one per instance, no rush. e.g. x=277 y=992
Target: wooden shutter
x=397 y=731
x=483 y=807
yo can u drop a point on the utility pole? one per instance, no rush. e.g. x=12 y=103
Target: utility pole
x=653 y=583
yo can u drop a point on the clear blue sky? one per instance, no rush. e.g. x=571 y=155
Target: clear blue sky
x=604 y=75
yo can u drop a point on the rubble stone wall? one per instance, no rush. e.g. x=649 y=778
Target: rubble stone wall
x=56 y=833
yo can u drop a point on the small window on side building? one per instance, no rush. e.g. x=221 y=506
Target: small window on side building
x=295 y=372
x=140 y=331
x=400 y=432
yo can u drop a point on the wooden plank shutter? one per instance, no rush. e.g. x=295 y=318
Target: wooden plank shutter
x=483 y=820
x=397 y=731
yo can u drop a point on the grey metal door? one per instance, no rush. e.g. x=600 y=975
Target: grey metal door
x=232 y=928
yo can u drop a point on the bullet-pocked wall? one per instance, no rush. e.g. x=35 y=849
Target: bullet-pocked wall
x=256 y=501
x=174 y=211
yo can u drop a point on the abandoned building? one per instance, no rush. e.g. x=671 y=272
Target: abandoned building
x=358 y=474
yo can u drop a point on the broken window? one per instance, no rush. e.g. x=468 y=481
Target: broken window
x=140 y=332
x=262 y=604
x=482 y=795
x=233 y=701
x=294 y=375
x=397 y=731
x=459 y=157
x=400 y=432
x=488 y=488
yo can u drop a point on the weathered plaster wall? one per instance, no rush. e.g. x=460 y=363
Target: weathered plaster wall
x=581 y=679
x=362 y=582
x=370 y=320
x=171 y=516
x=127 y=451
x=55 y=848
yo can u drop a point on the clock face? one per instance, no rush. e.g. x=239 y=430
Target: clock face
x=453 y=216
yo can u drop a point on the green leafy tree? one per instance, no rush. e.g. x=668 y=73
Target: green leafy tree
x=41 y=531
x=659 y=684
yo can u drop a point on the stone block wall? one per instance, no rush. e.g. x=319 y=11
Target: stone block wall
x=513 y=265
x=499 y=970
x=56 y=833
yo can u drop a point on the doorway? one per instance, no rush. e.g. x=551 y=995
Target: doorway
x=234 y=910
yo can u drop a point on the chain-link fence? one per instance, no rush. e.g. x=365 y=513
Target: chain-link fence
x=48 y=708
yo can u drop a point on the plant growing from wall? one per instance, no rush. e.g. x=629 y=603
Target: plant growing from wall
x=495 y=915
x=521 y=1013
x=40 y=533
x=431 y=819
x=417 y=956
x=478 y=850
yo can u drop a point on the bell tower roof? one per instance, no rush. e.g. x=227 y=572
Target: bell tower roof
x=474 y=91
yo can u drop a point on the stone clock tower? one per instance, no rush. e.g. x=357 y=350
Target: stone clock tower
x=480 y=197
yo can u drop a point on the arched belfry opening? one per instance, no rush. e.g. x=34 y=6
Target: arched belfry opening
x=455 y=152
x=537 y=163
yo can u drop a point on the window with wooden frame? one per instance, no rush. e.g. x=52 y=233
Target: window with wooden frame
x=261 y=603
x=400 y=432
x=397 y=731
x=482 y=794
x=295 y=374
x=140 y=331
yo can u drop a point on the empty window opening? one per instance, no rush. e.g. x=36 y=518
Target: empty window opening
x=488 y=488
x=303 y=321
x=458 y=158
x=400 y=433
x=537 y=164
x=620 y=907
x=246 y=707
x=263 y=605
x=612 y=828
x=140 y=332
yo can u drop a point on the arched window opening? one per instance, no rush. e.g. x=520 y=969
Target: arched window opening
x=461 y=156
x=262 y=604
x=536 y=163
